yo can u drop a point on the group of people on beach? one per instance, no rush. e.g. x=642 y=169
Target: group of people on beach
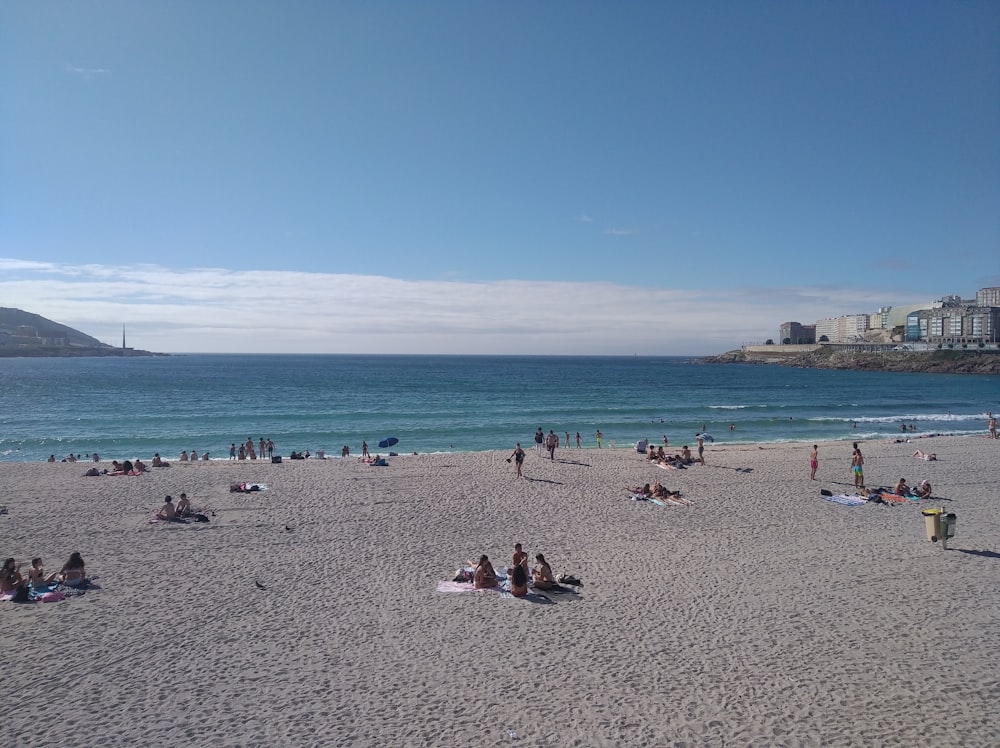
x=12 y=583
x=654 y=491
x=182 y=511
x=246 y=450
x=485 y=577
x=921 y=491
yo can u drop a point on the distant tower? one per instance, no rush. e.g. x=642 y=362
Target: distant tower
x=123 y=340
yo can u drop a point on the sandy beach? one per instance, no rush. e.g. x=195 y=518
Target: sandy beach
x=760 y=615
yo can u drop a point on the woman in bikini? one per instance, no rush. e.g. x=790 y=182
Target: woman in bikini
x=10 y=577
x=518 y=582
x=542 y=577
x=484 y=576
x=36 y=574
x=73 y=573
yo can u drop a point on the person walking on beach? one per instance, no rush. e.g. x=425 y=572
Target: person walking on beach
x=577 y=439
x=364 y=449
x=518 y=458
x=551 y=442
x=992 y=426
x=599 y=436
x=539 y=440
x=566 y=443
x=701 y=448
x=858 y=467
x=270 y=449
x=813 y=462
x=232 y=451
x=261 y=447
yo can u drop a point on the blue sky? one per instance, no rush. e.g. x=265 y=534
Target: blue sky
x=534 y=177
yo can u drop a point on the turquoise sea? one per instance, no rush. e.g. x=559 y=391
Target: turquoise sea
x=133 y=407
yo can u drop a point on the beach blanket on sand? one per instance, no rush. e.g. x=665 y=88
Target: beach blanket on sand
x=247 y=487
x=895 y=498
x=669 y=501
x=846 y=499
x=448 y=586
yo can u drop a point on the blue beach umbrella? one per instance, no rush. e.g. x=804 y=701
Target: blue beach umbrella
x=388 y=442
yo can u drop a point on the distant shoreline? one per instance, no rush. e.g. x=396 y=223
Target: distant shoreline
x=76 y=352
x=828 y=357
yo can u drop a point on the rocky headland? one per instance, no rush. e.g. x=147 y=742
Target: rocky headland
x=944 y=361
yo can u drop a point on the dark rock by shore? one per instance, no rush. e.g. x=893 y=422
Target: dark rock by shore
x=827 y=357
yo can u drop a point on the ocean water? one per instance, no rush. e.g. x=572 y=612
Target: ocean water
x=133 y=407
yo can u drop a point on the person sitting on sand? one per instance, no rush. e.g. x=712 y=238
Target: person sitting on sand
x=520 y=558
x=157 y=462
x=924 y=455
x=140 y=466
x=923 y=490
x=183 y=508
x=168 y=511
x=36 y=574
x=484 y=576
x=73 y=573
x=901 y=489
x=518 y=581
x=52 y=458
x=541 y=576
x=685 y=458
x=184 y=456
x=10 y=577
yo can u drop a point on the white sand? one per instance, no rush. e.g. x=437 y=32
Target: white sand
x=760 y=616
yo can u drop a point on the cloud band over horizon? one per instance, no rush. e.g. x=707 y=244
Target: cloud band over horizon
x=203 y=310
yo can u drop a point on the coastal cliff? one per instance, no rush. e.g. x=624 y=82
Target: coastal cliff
x=827 y=357
x=28 y=335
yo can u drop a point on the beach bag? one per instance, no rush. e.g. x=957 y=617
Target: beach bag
x=199 y=518
x=21 y=594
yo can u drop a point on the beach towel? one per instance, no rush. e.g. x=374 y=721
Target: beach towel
x=895 y=498
x=247 y=487
x=447 y=586
x=846 y=499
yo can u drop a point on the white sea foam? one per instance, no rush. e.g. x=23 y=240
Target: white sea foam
x=905 y=418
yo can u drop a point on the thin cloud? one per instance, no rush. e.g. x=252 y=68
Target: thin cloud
x=618 y=232
x=585 y=219
x=86 y=71
x=223 y=310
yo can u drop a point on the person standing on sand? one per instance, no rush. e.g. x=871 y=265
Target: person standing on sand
x=539 y=440
x=518 y=458
x=599 y=436
x=858 y=467
x=261 y=447
x=566 y=443
x=270 y=449
x=577 y=439
x=701 y=448
x=364 y=449
x=992 y=426
x=551 y=442
x=813 y=462
x=232 y=451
